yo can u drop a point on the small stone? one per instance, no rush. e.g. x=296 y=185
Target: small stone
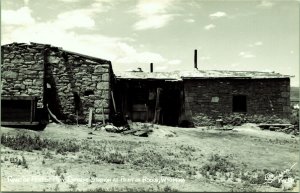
x=105 y=77
x=9 y=74
x=287 y=184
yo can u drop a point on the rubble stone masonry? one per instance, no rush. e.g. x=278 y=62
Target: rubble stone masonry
x=263 y=96
x=22 y=72
x=71 y=75
x=65 y=81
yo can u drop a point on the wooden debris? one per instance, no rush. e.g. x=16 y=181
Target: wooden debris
x=275 y=125
x=90 y=117
x=286 y=128
x=53 y=116
x=103 y=118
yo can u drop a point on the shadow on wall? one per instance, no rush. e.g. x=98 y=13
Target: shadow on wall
x=78 y=106
x=53 y=97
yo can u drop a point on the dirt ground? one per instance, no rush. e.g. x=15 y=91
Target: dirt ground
x=149 y=162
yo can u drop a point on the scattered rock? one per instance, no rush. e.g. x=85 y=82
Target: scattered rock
x=287 y=184
x=114 y=129
x=91 y=133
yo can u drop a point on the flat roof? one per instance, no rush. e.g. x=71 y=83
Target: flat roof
x=199 y=74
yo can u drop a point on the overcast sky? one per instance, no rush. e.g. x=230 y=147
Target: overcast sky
x=229 y=35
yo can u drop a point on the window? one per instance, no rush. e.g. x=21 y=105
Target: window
x=239 y=103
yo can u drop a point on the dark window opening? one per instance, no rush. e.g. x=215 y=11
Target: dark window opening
x=88 y=92
x=239 y=103
x=17 y=111
x=76 y=101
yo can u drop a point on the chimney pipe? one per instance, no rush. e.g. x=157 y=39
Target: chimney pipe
x=195 y=60
x=151 y=67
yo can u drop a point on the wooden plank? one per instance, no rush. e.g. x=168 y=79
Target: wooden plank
x=269 y=126
x=53 y=116
x=31 y=111
x=139 y=107
x=34 y=110
x=113 y=100
x=275 y=124
x=157 y=109
x=19 y=97
x=103 y=118
x=77 y=117
x=130 y=131
x=19 y=123
x=90 y=117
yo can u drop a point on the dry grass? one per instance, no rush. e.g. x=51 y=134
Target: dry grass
x=207 y=160
x=27 y=142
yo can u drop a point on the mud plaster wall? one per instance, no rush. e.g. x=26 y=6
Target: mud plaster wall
x=22 y=72
x=264 y=96
x=70 y=75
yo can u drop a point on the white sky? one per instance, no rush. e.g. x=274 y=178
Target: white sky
x=229 y=35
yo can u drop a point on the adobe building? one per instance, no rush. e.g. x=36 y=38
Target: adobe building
x=38 y=78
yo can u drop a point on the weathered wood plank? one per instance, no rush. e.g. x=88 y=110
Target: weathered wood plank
x=18 y=123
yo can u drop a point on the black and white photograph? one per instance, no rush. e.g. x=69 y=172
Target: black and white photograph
x=150 y=96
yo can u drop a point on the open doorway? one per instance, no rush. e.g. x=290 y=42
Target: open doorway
x=171 y=105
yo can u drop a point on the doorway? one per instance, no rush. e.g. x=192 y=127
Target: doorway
x=171 y=105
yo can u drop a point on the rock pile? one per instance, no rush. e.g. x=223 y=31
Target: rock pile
x=114 y=129
x=137 y=129
x=236 y=119
x=286 y=128
x=140 y=129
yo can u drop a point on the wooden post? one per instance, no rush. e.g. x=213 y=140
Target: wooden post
x=113 y=100
x=103 y=118
x=195 y=60
x=90 y=117
x=147 y=117
x=157 y=108
x=77 y=117
x=31 y=110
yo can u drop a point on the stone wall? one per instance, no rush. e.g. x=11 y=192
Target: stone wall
x=70 y=74
x=63 y=80
x=22 y=71
x=264 y=96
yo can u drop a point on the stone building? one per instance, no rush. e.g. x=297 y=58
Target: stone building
x=173 y=97
x=37 y=76
x=38 y=80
